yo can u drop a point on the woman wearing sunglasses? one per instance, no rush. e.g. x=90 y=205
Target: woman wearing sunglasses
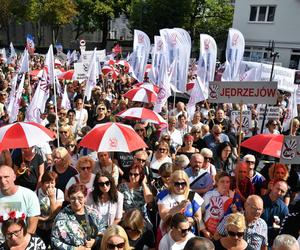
x=136 y=191
x=179 y=234
x=85 y=167
x=106 y=199
x=100 y=117
x=115 y=237
x=178 y=198
x=71 y=146
x=235 y=226
x=14 y=230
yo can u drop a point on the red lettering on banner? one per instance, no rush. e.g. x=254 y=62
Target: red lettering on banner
x=239 y=92
x=271 y=92
x=251 y=92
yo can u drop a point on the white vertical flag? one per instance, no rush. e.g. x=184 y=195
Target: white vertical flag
x=139 y=57
x=65 y=102
x=12 y=55
x=24 y=66
x=234 y=55
x=158 y=53
x=92 y=76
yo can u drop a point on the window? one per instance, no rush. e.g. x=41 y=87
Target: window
x=265 y=13
x=255 y=54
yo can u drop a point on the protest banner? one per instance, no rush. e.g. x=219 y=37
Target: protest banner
x=86 y=56
x=246 y=121
x=245 y=92
x=80 y=71
x=290 y=152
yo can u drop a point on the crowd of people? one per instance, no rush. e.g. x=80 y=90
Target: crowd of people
x=189 y=189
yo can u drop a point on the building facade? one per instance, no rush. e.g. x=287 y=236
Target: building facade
x=262 y=21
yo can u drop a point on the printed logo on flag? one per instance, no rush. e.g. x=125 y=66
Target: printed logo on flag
x=159 y=45
x=140 y=38
x=173 y=39
x=235 y=39
x=161 y=95
x=206 y=44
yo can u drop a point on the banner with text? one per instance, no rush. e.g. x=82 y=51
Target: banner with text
x=243 y=92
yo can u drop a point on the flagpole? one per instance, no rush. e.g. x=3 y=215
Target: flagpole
x=55 y=106
x=240 y=131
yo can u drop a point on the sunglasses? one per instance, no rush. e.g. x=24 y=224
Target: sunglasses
x=251 y=162
x=207 y=158
x=139 y=130
x=234 y=234
x=184 y=231
x=101 y=108
x=134 y=174
x=105 y=183
x=162 y=149
x=113 y=246
x=85 y=168
x=140 y=160
x=180 y=184
x=71 y=145
x=63 y=132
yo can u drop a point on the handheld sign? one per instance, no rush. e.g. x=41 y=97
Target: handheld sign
x=246 y=120
x=243 y=92
x=290 y=152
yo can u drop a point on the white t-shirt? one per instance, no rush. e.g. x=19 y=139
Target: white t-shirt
x=88 y=185
x=167 y=243
x=211 y=169
x=83 y=117
x=155 y=164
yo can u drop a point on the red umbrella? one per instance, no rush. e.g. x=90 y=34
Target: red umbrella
x=141 y=94
x=142 y=114
x=112 y=137
x=124 y=64
x=149 y=86
x=266 y=144
x=24 y=135
x=68 y=75
x=110 y=70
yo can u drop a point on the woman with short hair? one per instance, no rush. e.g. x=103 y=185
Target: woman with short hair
x=115 y=237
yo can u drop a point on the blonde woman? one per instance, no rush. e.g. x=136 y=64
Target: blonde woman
x=100 y=117
x=62 y=166
x=115 y=237
x=235 y=227
x=85 y=166
x=65 y=134
x=178 y=199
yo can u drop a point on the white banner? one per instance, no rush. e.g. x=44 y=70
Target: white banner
x=80 y=71
x=246 y=121
x=290 y=152
x=86 y=56
x=243 y=92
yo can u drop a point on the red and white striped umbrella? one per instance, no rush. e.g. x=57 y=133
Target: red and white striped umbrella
x=68 y=75
x=142 y=114
x=112 y=137
x=110 y=70
x=124 y=64
x=149 y=86
x=140 y=94
x=24 y=135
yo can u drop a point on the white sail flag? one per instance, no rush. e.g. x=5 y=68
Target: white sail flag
x=165 y=85
x=234 y=55
x=158 y=53
x=14 y=104
x=139 y=57
x=178 y=46
x=205 y=71
x=24 y=66
x=12 y=54
x=48 y=72
x=65 y=102
x=92 y=76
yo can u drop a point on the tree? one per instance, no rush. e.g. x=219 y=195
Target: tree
x=54 y=13
x=95 y=15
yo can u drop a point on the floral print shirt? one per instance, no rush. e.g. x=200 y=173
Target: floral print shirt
x=68 y=233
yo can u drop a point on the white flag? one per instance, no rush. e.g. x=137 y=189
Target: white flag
x=49 y=72
x=24 y=66
x=14 y=105
x=139 y=57
x=234 y=55
x=65 y=102
x=12 y=55
x=91 y=76
x=165 y=86
x=158 y=53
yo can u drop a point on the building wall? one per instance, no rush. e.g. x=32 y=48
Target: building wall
x=284 y=30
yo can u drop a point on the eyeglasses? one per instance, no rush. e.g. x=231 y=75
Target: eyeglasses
x=63 y=132
x=71 y=145
x=101 y=108
x=140 y=160
x=105 y=183
x=85 y=168
x=234 y=234
x=139 y=130
x=250 y=162
x=15 y=233
x=73 y=199
x=130 y=229
x=63 y=113
x=113 y=246
x=207 y=158
x=180 y=184
x=134 y=174
x=195 y=132
x=162 y=149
